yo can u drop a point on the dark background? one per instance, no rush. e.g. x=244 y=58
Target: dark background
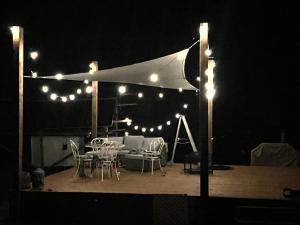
x=255 y=45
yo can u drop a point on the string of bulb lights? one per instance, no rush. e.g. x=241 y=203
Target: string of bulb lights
x=122 y=89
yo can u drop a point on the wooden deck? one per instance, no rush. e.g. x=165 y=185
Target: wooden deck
x=240 y=182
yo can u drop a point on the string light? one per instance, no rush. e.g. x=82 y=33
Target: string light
x=180 y=89
x=177 y=115
x=126 y=133
x=89 y=89
x=151 y=129
x=86 y=81
x=53 y=96
x=185 y=106
x=58 y=76
x=198 y=78
x=161 y=95
x=144 y=129
x=34 y=55
x=129 y=123
x=159 y=127
x=122 y=89
x=140 y=95
x=45 y=89
x=34 y=74
x=64 y=98
x=153 y=77
x=207 y=52
x=168 y=122
x=136 y=127
x=72 y=97
x=79 y=91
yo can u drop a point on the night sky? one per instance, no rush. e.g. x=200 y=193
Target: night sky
x=255 y=45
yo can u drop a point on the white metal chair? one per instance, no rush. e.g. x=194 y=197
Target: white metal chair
x=108 y=159
x=153 y=154
x=81 y=160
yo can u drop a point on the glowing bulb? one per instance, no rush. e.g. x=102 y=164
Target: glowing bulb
x=136 y=127
x=185 y=106
x=122 y=89
x=79 y=91
x=161 y=95
x=209 y=85
x=140 y=95
x=64 y=99
x=72 y=97
x=168 y=123
x=159 y=127
x=89 y=89
x=14 y=29
x=34 y=74
x=144 y=129
x=154 y=77
x=86 y=81
x=53 y=96
x=208 y=52
x=177 y=115
x=45 y=89
x=34 y=55
x=209 y=73
x=58 y=76
x=129 y=123
x=180 y=90
x=126 y=133
x=93 y=68
x=210 y=94
x=151 y=129
x=203 y=28
x=198 y=78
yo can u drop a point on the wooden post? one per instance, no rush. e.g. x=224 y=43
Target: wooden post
x=211 y=65
x=18 y=47
x=203 y=66
x=94 y=68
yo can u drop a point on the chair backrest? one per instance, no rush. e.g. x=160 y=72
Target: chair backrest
x=97 y=143
x=156 y=145
x=74 y=148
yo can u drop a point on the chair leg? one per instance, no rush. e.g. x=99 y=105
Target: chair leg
x=143 y=165
x=77 y=170
x=117 y=173
x=152 y=161
x=160 y=166
x=102 y=172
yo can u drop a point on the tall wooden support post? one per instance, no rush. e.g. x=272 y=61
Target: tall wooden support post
x=210 y=94
x=93 y=69
x=203 y=65
x=18 y=47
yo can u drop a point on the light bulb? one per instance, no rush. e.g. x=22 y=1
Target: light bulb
x=89 y=89
x=72 y=97
x=159 y=127
x=79 y=91
x=58 y=76
x=136 y=127
x=53 y=96
x=185 y=106
x=177 y=115
x=140 y=95
x=168 y=123
x=161 y=95
x=144 y=129
x=45 y=89
x=151 y=129
x=122 y=89
x=34 y=55
x=154 y=77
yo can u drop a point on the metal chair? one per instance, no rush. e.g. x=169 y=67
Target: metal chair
x=81 y=160
x=153 y=154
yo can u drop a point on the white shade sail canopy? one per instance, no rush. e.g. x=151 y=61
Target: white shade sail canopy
x=164 y=72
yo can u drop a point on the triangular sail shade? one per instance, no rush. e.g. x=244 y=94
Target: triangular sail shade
x=169 y=71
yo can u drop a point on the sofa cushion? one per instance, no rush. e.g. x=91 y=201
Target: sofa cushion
x=147 y=142
x=119 y=140
x=133 y=142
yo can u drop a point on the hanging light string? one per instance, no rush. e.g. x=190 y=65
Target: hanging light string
x=152 y=129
